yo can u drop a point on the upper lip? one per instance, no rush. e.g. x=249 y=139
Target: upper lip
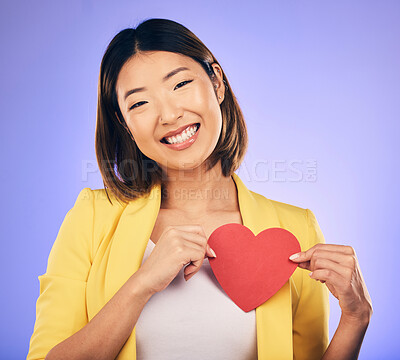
x=177 y=131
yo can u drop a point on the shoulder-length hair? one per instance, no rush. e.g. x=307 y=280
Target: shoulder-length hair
x=125 y=170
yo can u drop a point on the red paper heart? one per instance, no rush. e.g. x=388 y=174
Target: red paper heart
x=251 y=268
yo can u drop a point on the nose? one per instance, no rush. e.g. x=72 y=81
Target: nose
x=170 y=112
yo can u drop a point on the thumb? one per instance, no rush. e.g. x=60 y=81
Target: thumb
x=210 y=252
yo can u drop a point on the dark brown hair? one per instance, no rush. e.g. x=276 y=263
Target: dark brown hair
x=125 y=170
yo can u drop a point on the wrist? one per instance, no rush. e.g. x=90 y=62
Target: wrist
x=138 y=287
x=360 y=320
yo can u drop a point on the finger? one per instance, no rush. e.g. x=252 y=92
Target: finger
x=189 y=276
x=189 y=272
x=199 y=240
x=173 y=233
x=177 y=230
x=306 y=255
x=339 y=260
x=196 y=258
x=210 y=252
x=196 y=265
x=318 y=259
x=192 y=228
x=326 y=264
x=192 y=245
x=195 y=238
x=330 y=276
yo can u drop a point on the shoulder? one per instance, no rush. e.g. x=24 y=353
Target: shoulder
x=95 y=204
x=95 y=214
x=96 y=201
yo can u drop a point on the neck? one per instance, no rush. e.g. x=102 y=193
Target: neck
x=197 y=192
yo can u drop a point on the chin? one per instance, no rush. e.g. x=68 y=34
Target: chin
x=182 y=165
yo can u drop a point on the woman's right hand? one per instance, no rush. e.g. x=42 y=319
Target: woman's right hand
x=177 y=246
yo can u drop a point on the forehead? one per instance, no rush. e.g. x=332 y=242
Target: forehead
x=152 y=66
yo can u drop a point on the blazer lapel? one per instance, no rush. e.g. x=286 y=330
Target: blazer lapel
x=273 y=318
x=127 y=250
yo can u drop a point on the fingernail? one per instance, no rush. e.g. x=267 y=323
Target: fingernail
x=213 y=252
x=294 y=256
x=310 y=273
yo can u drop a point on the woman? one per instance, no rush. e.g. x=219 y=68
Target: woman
x=169 y=136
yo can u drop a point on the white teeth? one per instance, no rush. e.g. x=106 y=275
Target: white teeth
x=183 y=136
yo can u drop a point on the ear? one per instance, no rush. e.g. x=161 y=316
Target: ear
x=219 y=85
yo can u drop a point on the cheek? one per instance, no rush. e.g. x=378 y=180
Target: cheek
x=141 y=136
x=139 y=129
x=204 y=101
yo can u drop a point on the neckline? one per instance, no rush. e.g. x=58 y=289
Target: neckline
x=236 y=182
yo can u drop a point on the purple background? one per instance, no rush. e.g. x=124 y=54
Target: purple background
x=317 y=81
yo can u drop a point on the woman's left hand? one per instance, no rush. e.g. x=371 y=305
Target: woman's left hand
x=337 y=266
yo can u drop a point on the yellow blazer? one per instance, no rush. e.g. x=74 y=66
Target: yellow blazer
x=99 y=246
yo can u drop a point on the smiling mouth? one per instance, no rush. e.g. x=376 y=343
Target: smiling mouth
x=183 y=136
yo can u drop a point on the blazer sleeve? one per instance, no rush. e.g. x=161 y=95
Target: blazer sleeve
x=311 y=320
x=61 y=305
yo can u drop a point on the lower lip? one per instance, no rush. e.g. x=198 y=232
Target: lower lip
x=185 y=144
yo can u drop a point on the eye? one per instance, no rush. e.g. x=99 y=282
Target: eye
x=184 y=83
x=136 y=105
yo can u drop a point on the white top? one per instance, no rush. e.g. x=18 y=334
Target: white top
x=194 y=320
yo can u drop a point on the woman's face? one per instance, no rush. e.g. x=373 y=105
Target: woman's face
x=173 y=92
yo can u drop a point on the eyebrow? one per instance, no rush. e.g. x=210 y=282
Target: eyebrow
x=165 y=78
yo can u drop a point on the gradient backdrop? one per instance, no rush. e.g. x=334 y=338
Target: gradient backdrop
x=318 y=82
